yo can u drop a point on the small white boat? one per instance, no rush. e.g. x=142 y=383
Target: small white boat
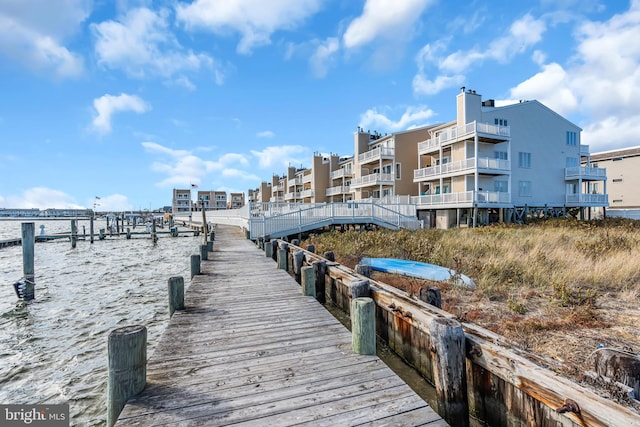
x=420 y=270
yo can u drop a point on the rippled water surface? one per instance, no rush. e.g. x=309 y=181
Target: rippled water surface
x=54 y=349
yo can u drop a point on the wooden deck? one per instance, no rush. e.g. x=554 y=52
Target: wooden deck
x=251 y=350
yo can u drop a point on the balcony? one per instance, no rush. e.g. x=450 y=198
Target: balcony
x=372 y=179
x=292 y=196
x=340 y=189
x=585 y=173
x=276 y=199
x=376 y=155
x=485 y=165
x=306 y=193
x=341 y=173
x=295 y=181
x=307 y=178
x=462 y=199
x=584 y=150
x=453 y=134
x=582 y=199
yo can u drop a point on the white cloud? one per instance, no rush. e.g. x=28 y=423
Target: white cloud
x=42 y=198
x=182 y=167
x=112 y=203
x=323 y=56
x=600 y=83
x=423 y=86
x=265 y=134
x=32 y=33
x=282 y=156
x=107 y=105
x=383 y=19
x=413 y=116
x=141 y=43
x=240 y=174
x=255 y=20
x=523 y=33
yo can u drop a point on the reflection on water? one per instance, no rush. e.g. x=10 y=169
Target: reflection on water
x=54 y=349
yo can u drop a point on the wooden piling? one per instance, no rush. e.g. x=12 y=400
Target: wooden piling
x=128 y=233
x=91 y=228
x=363 y=326
x=127 y=350
x=320 y=271
x=431 y=295
x=283 y=253
x=358 y=289
x=74 y=233
x=28 y=259
x=330 y=256
x=204 y=223
x=274 y=250
x=195 y=265
x=298 y=259
x=176 y=294
x=210 y=245
x=311 y=248
x=363 y=269
x=308 y=281
x=212 y=236
x=204 y=252
x=268 y=249
x=449 y=370
x=101 y=235
x=154 y=235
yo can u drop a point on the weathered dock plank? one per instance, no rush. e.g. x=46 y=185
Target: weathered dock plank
x=250 y=349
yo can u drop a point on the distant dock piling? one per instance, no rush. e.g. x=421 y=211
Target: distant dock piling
x=74 y=233
x=28 y=260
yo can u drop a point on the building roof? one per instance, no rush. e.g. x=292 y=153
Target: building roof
x=619 y=152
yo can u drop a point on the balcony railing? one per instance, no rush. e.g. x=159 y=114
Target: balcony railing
x=306 y=193
x=584 y=150
x=294 y=181
x=292 y=196
x=276 y=199
x=586 y=173
x=484 y=163
x=340 y=189
x=340 y=173
x=462 y=198
x=600 y=199
x=376 y=154
x=372 y=179
x=456 y=133
x=307 y=178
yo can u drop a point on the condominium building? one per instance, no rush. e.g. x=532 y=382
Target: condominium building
x=236 y=200
x=211 y=200
x=309 y=185
x=181 y=202
x=499 y=163
x=261 y=194
x=279 y=185
x=623 y=171
x=340 y=187
x=383 y=164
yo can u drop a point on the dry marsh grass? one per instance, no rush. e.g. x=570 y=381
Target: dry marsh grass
x=556 y=287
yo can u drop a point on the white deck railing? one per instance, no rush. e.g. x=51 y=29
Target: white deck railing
x=376 y=154
x=455 y=133
x=484 y=163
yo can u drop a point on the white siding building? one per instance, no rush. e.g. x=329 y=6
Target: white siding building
x=502 y=163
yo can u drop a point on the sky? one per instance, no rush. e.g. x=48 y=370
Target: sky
x=127 y=99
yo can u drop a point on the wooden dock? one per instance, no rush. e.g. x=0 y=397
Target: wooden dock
x=249 y=349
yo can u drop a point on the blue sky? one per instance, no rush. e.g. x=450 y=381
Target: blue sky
x=127 y=100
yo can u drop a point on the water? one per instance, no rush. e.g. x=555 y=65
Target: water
x=54 y=349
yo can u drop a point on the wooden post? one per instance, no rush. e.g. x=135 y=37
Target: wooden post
x=91 y=228
x=363 y=269
x=431 y=295
x=204 y=222
x=449 y=370
x=363 y=326
x=176 y=294
x=311 y=248
x=195 y=265
x=308 y=279
x=295 y=242
x=320 y=270
x=620 y=366
x=128 y=233
x=274 y=250
x=268 y=249
x=298 y=259
x=212 y=237
x=283 y=253
x=28 y=259
x=154 y=235
x=210 y=245
x=359 y=288
x=127 y=350
x=204 y=252
x=330 y=256
x=74 y=233
x=101 y=236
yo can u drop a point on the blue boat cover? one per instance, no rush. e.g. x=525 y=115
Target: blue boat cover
x=421 y=270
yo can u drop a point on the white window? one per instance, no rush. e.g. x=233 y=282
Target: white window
x=572 y=188
x=524 y=188
x=501 y=186
x=572 y=138
x=386 y=169
x=501 y=155
x=398 y=171
x=524 y=160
